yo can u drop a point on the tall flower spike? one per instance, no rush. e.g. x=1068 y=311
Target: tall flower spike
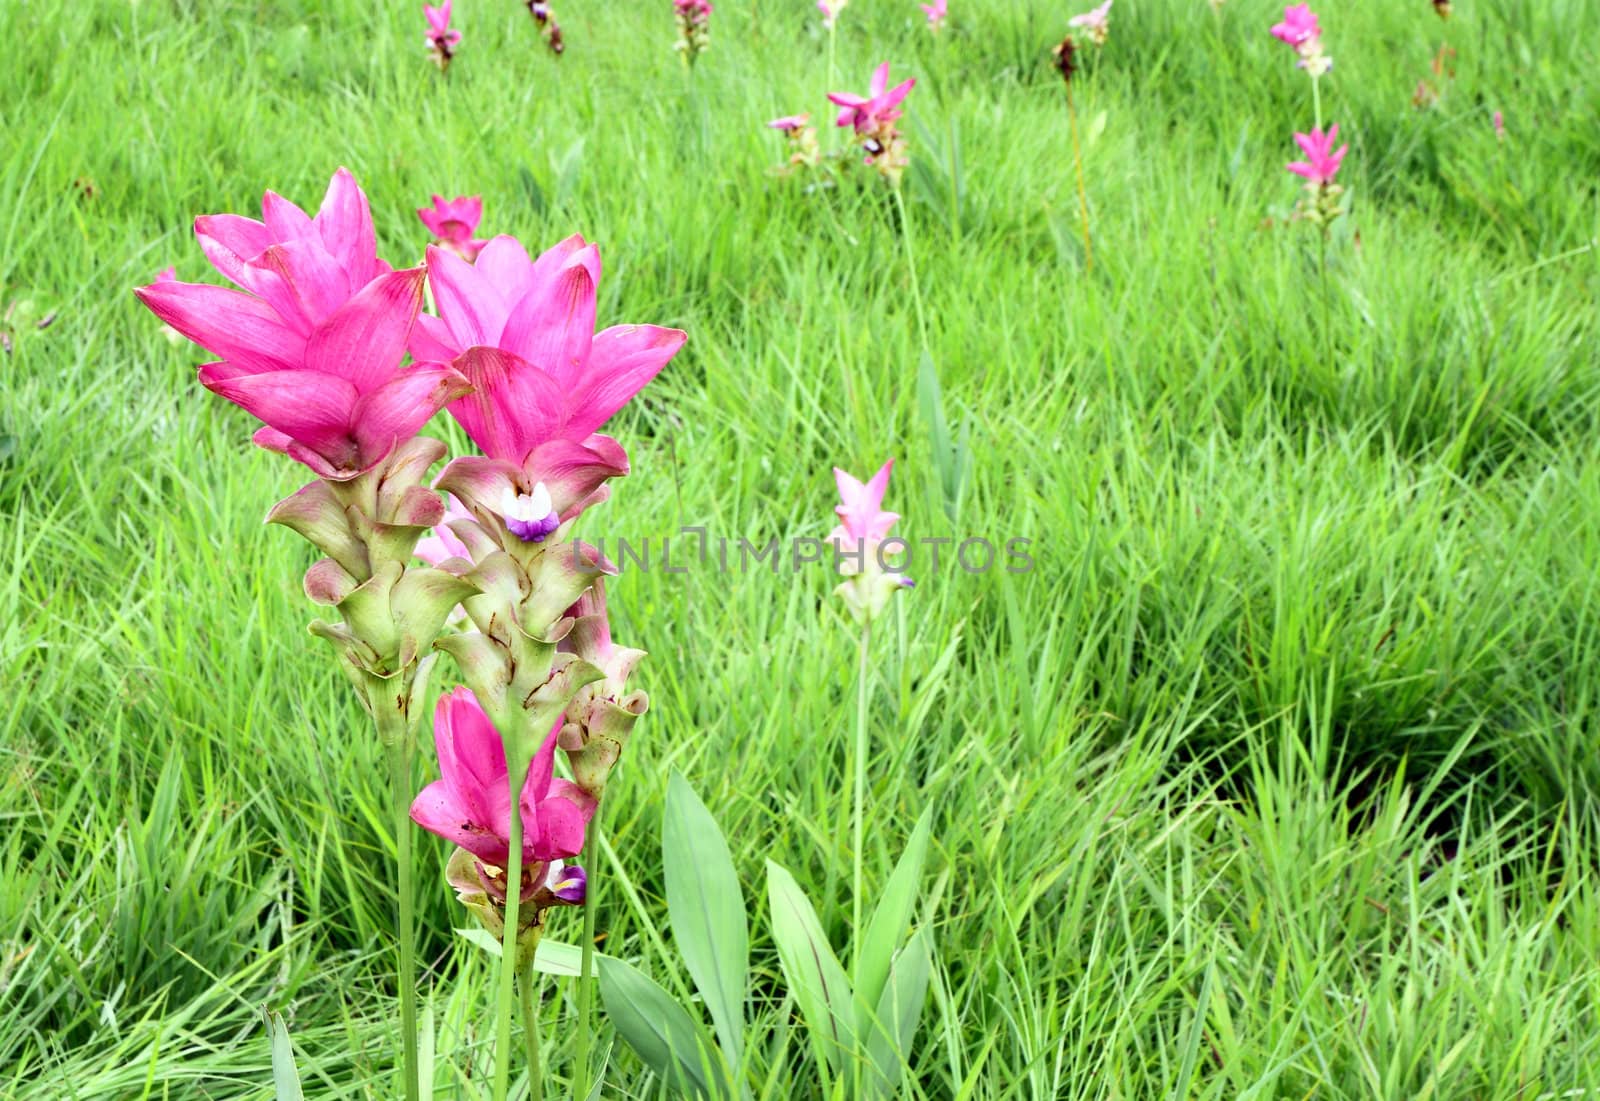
x=453 y=223
x=313 y=345
x=1322 y=162
x=441 y=39
x=694 y=28
x=858 y=544
x=1299 y=28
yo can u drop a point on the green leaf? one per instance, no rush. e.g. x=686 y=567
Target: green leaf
x=899 y=1010
x=552 y=957
x=285 y=1078
x=814 y=974
x=8 y=447
x=657 y=1028
x=707 y=911
x=890 y=921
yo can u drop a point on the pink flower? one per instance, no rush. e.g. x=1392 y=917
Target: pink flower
x=830 y=10
x=860 y=511
x=1499 y=121
x=935 y=13
x=1299 y=25
x=314 y=349
x=1322 y=160
x=880 y=107
x=442 y=543
x=1096 y=22
x=440 y=36
x=453 y=223
x=522 y=333
x=859 y=544
x=169 y=274
x=695 y=10
x=471 y=805
x=789 y=122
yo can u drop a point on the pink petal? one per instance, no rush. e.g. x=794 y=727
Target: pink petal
x=469 y=303
x=573 y=472
x=230 y=242
x=231 y=324
x=552 y=325
x=310 y=283
x=344 y=222
x=366 y=339
x=285 y=221
x=309 y=407
x=431 y=340
x=880 y=80
x=505 y=264
x=437 y=811
x=622 y=360
x=395 y=411
x=513 y=406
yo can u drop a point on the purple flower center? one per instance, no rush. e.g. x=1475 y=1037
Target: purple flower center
x=533 y=531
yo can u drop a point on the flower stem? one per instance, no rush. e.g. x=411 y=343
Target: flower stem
x=860 y=797
x=911 y=263
x=1316 y=101
x=394 y=732
x=516 y=777
x=530 y=1035
x=1083 y=193
x=580 y=1058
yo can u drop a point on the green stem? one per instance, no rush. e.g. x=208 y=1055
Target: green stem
x=860 y=797
x=1083 y=191
x=911 y=263
x=1327 y=328
x=396 y=737
x=580 y=1058
x=530 y=1034
x=1316 y=101
x=516 y=776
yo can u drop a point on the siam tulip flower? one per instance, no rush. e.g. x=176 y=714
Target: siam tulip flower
x=873 y=117
x=788 y=123
x=544 y=17
x=804 y=152
x=830 y=10
x=312 y=347
x=1322 y=160
x=935 y=13
x=1499 y=122
x=470 y=805
x=567 y=882
x=441 y=39
x=453 y=222
x=522 y=332
x=1300 y=29
x=694 y=28
x=1096 y=23
x=858 y=542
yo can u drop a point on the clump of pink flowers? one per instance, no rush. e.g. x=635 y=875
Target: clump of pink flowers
x=1318 y=169
x=1300 y=29
x=1096 y=23
x=935 y=13
x=441 y=38
x=873 y=118
x=544 y=17
x=453 y=223
x=694 y=28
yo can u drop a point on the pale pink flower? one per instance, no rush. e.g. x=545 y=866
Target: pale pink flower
x=830 y=10
x=1096 y=23
x=453 y=222
x=789 y=122
x=440 y=39
x=935 y=13
x=859 y=544
x=1322 y=160
x=1499 y=121
x=1298 y=27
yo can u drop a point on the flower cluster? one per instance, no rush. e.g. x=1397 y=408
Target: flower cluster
x=544 y=17
x=441 y=39
x=694 y=28
x=873 y=118
x=1299 y=29
x=1322 y=162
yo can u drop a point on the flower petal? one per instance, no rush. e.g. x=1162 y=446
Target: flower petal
x=552 y=324
x=513 y=406
x=241 y=329
x=396 y=410
x=622 y=360
x=365 y=340
x=307 y=406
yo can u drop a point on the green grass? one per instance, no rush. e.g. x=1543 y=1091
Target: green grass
x=1277 y=777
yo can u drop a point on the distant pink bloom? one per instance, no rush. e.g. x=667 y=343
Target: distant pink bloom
x=453 y=223
x=1299 y=25
x=692 y=9
x=789 y=122
x=1499 y=126
x=1322 y=160
x=860 y=508
x=830 y=10
x=1096 y=22
x=521 y=331
x=879 y=107
x=471 y=804
x=314 y=349
x=935 y=13
x=440 y=35
x=169 y=274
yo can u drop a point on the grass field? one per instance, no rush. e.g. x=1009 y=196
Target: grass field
x=1276 y=777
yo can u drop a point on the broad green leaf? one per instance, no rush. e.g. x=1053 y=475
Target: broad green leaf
x=657 y=1028
x=890 y=922
x=707 y=911
x=285 y=1078
x=899 y=1010
x=818 y=982
x=552 y=957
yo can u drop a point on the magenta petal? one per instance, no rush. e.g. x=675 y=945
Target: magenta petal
x=309 y=407
x=437 y=811
x=469 y=303
x=552 y=325
x=344 y=223
x=513 y=406
x=472 y=758
x=310 y=282
x=572 y=472
x=505 y=264
x=230 y=242
x=366 y=339
x=284 y=219
x=559 y=830
x=231 y=324
x=395 y=411
x=432 y=342
x=622 y=360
